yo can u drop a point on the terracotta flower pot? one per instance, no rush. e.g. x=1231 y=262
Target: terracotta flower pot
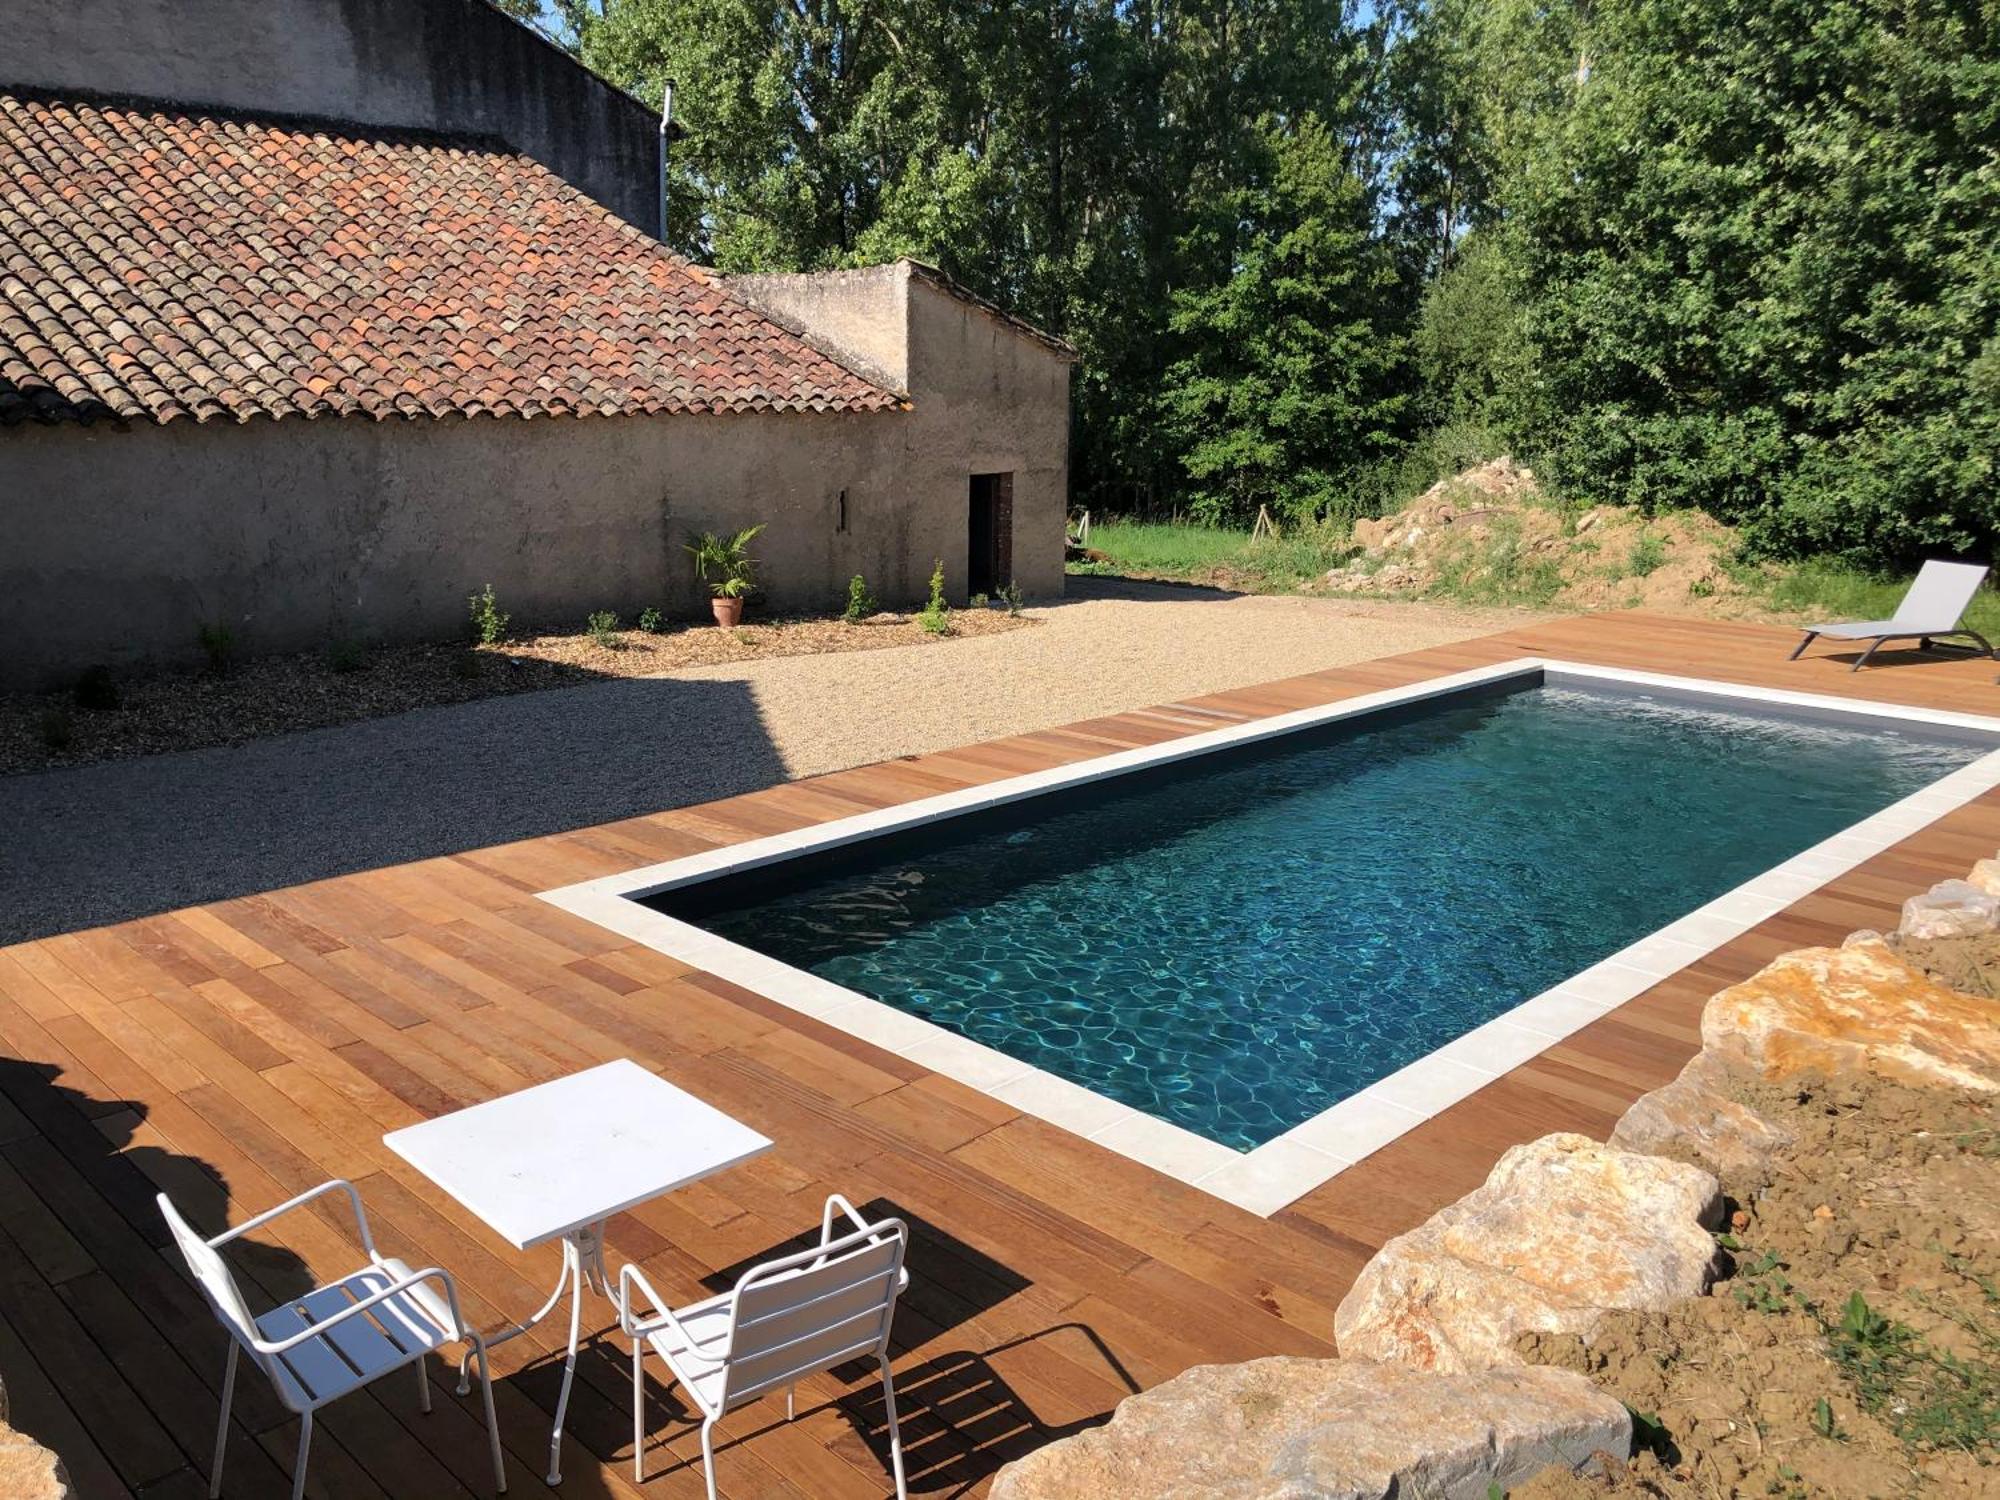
x=728 y=612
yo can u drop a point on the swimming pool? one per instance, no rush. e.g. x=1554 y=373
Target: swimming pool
x=1237 y=944
x=1252 y=955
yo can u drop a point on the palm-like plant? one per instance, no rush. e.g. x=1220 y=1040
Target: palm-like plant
x=725 y=563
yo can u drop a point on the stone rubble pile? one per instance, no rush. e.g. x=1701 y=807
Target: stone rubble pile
x=1429 y=1395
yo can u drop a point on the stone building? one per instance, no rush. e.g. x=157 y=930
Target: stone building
x=318 y=315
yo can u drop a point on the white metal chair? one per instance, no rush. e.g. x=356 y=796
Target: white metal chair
x=785 y=1319
x=1934 y=606
x=336 y=1338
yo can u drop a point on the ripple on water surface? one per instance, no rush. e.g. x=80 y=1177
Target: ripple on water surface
x=1245 y=941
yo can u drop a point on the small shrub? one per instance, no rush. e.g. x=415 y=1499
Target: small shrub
x=58 y=730
x=935 y=616
x=977 y=601
x=860 y=603
x=346 y=656
x=489 y=623
x=96 y=689
x=725 y=563
x=1011 y=597
x=219 y=642
x=602 y=627
x=652 y=622
x=1648 y=555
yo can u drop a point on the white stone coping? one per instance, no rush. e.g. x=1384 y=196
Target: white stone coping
x=1266 y=1178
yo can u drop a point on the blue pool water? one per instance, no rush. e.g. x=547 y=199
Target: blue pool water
x=1236 y=943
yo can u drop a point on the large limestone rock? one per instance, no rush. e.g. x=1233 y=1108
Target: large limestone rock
x=1563 y=1231
x=1985 y=877
x=1327 y=1429
x=1950 y=909
x=1699 y=1118
x=28 y=1471
x=1856 y=1009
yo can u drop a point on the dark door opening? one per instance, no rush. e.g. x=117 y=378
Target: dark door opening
x=989 y=562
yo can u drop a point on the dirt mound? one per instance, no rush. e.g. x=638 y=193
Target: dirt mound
x=1491 y=535
x=1855 y=1349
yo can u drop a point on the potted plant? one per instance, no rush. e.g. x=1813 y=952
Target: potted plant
x=726 y=566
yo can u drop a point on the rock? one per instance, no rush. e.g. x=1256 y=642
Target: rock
x=1985 y=877
x=1327 y=1429
x=1857 y=1009
x=1563 y=1231
x=1951 y=908
x=1698 y=1117
x=28 y=1471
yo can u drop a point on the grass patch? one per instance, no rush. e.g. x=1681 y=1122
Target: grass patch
x=1828 y=591
x=1495 y=567
x=1212 y=554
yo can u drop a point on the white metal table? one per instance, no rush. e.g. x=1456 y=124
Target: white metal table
x=557 y=1160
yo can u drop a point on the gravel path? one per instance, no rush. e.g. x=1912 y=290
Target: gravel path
x=1112 y=645
x=122 y=839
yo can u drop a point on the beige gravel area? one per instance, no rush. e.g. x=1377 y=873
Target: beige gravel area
x=1111 y=645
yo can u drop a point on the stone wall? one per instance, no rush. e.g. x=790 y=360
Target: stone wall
x=449 y=65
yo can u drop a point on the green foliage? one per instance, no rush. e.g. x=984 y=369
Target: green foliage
x=1760 y=253
x=1219 y=555
x=935 y=616
x=602 y=628
x=96 y=689
x=1012 y=597
x=218 y=644
x=860 y=602
x=1289 y=390
x=724 y=563
x=1648 y=554
x=489 y=624
x=652 y=621
x=1493 y=567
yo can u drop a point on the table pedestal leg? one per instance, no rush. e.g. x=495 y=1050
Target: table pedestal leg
x=583 y=1267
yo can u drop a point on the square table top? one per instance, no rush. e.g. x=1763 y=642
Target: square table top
x=547 y=1160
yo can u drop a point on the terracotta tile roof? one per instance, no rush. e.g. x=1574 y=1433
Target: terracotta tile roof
x=158 y=262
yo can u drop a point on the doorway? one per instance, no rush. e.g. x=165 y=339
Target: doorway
x=989 y=562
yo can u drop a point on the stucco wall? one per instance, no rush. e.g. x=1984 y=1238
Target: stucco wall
x=988 y=398
x=451 y=65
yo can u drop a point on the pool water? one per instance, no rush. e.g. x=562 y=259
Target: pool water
x=1238 y=942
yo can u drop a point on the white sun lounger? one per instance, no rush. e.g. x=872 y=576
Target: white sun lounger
x=1934 y=606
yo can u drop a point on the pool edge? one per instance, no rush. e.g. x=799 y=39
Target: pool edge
x=1285 y=1168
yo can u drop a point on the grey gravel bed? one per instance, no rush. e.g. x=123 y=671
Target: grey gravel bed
x=104 y=843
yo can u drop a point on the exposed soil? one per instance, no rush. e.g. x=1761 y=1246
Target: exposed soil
x=1771 y=1385
x=275 y=695
x=1489 y=533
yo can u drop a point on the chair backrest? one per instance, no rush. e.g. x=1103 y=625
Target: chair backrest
x=213 y=1276
x=1941 y=595
x=812 y=1310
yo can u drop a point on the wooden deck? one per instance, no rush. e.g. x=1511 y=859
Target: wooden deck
x=234 y=1054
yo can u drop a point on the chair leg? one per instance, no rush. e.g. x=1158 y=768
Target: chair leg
x=222 y=1422
x=492 y=1419
x=1810 y=637
x=790 y=1392
x=708 y=1455
x=299 y=1465
x=895 y=1431
x=638 y=1415
x=423 y=1387
x=1862 y=660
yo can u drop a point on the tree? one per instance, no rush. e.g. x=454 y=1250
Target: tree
x=1291 y=387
